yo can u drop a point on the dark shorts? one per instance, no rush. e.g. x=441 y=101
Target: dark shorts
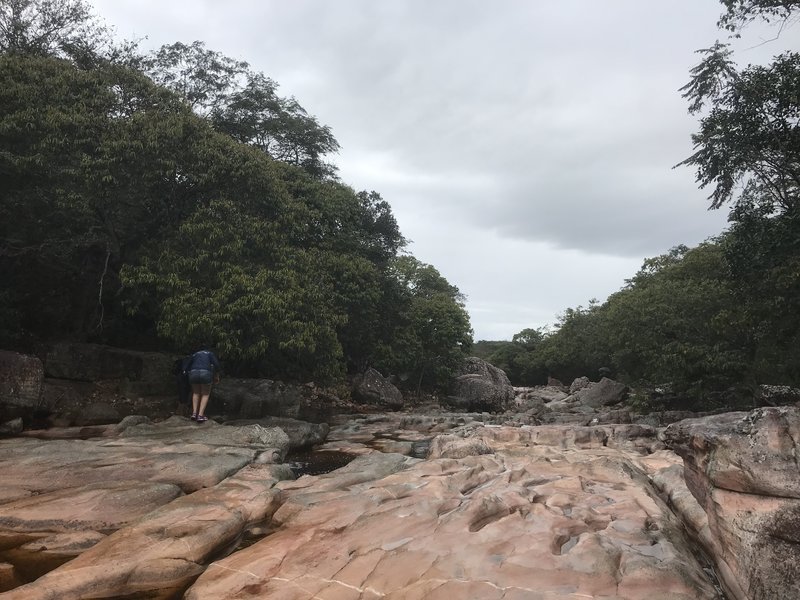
x=201 y=376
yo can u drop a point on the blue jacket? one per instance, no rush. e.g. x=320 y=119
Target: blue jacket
x=205 y=360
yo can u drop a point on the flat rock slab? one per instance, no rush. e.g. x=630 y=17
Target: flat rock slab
x=102 y=507
x=162 y=553
x=536 y=522
x=177 y=451
x=62 y=496
x=32 y=466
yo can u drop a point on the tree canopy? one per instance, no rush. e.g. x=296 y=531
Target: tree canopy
x=173 y=199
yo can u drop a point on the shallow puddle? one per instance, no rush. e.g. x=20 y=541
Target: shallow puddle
x=317 y=462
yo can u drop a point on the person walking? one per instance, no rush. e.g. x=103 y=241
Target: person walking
x=203 y=372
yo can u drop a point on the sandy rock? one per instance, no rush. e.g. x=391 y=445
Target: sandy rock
x=543 y=523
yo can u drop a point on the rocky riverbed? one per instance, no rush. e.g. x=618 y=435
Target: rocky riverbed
x=444 y=505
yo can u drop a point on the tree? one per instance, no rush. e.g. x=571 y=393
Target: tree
x=280 y=127
x=245 y=105
x=204 y=78
x=739 y=13
x=94 y=163
x=430 y=334
x=679 y=323
x=127 y=218
x=529 y=338
x=231 y=278
x=46 y=27
x=751 y=135
x=748 y=150
x=763 y=256
x=578 y=346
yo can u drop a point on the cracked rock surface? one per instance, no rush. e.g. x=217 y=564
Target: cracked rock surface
x=450 y=506
x=744 y=470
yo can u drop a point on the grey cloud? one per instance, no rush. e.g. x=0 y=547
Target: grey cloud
x=525 y=147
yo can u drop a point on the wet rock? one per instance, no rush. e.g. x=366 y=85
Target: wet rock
x=177 y=451
x=103 y=507
x=178 y=430
x=496 y=511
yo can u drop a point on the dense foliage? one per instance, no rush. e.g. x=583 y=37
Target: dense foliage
x=168 y=200
x=726 y=314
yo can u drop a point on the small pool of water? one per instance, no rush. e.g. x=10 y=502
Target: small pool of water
x=317 y=462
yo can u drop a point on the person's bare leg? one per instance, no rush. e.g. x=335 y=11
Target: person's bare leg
x=197 y=392
x=205 y=391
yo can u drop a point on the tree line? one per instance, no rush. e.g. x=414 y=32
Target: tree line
x=174 y=198
x=723 y=316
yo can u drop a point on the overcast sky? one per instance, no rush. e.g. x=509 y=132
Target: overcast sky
x=525 y=146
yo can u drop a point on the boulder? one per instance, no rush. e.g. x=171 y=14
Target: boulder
x=301 y=433
x=480 y=386
x=453 y=446
x=777 y=394
x=95 y=362
x=21 y=380
x=178 y=430
x=12 y=427
x=578 y=384
x=606 y=392
x=743 y=470
x=541 y=392
x=556 y=383
x=374 y=389
x=530 y=404
x=237 y=398
x=98 y=413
